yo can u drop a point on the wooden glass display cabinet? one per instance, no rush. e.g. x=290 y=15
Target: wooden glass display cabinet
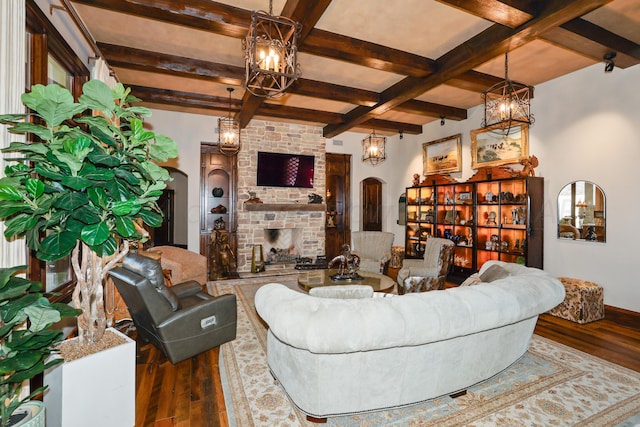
x=486 y=220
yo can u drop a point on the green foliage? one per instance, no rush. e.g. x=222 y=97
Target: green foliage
x=26 y=340
x=88 y=178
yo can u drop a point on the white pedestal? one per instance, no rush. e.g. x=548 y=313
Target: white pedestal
x=98 y=390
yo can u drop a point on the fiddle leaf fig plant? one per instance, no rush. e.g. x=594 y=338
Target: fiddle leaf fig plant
x=26 y=339
x=86 y=186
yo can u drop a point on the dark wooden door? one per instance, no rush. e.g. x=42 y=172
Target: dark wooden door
x=338 y=182
x=163 y=235
x=371 y=205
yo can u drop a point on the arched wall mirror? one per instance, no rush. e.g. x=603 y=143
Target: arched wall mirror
x=581 y=212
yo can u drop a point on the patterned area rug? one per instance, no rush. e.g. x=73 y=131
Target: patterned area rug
x=551 y=385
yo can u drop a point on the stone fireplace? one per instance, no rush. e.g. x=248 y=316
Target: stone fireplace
x=285 y=212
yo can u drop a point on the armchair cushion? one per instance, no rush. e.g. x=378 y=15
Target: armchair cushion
x=373 y=248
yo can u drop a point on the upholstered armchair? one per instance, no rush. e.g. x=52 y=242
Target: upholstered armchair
x=373 y=248
x=429 y=273
x=184 y=264
x=180 y=320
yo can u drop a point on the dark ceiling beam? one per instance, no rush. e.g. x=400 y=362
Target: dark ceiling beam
x=494 y=41
x=578 y=35
x=474 y=81
x=292 y=9
x=424 y=108
x=360 y=52
x=156 y=62
x=500 y=12
x=200 y=14
x=221 y=104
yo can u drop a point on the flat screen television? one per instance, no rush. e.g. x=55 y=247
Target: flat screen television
x=285 y=170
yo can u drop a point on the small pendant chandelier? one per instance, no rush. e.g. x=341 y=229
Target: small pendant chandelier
x=373 y=149
x=270 y=51
x=507 y=102
x=228 y=132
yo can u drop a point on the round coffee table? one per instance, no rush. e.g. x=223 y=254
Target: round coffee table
x=314 y=278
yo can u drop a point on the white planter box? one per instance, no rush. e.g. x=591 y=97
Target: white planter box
x=97 y=390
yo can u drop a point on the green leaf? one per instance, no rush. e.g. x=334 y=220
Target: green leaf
x=21 y=147
x=71 y=201
x=9 y=193
x=8 y=208
x=140 y=111
x=78 y=147
x=122 y=208
x=100 y=174
x=152 y=219
x=35 y=187
x=19 y=224
x=56 y=246
x=156 y=172
x=164 y=149
x=98 y=196
x=47 y=172
x=41 y=316
x=127 y=176
x=125 y=226
x=98 y=96
x=86 y=214
x=76 y=182
x=95 y=234
x=53 y=103
x=39 y=130
x=104 y=159
x=108 y=247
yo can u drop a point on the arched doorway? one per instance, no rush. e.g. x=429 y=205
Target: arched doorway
x=173 y=203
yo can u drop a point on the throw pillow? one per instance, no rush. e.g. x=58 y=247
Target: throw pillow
x=474 y=279
x=342 y=291
x=495 y=272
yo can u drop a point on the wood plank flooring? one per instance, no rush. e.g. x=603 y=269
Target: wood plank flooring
x=189 y=394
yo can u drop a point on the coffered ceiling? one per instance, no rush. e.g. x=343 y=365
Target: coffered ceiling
x=389 y=65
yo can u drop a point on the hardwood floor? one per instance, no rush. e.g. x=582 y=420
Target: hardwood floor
x=190 y=392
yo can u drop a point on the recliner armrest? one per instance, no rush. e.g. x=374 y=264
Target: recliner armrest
x=188 y=288
x=187 y=321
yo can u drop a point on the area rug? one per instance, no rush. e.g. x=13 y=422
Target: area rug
x=551 y=385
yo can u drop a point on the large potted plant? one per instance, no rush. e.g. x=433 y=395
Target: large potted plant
x=85 y=188
x=26 y=342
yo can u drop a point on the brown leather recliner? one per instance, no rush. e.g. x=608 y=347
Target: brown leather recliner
x=181 y=320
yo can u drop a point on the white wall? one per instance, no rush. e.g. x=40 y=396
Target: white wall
x=188 y=130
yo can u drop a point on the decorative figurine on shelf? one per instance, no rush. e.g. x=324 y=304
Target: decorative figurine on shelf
x=253 y=198
x=416 y=180
x=591 y=234
x=219 y=224
x=331 y=218
x=315 y=198
x=348 y=265
x=528 y=167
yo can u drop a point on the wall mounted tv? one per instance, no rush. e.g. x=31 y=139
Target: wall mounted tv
x=285 y=170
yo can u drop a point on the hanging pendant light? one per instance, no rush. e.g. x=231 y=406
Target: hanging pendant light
x=373 y=149
x=270 y=51
x=507 y=102
x=228 y=132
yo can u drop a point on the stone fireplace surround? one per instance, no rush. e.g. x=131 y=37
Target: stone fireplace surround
x=283 y=208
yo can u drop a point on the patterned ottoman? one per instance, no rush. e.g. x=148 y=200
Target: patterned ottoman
x=583 y=302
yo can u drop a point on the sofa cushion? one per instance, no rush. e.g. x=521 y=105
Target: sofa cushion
x=495 y=272
x=474 y=279
x=342 y=291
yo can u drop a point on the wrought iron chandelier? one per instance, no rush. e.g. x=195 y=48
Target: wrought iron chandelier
x=373 y=149
x=270 y=51
x=228 y=132
x=507 y=102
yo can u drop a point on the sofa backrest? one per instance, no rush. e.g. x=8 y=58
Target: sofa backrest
x=325 y=325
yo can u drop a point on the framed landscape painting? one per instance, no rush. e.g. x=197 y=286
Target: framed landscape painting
x=497 y=145
x=442 y=155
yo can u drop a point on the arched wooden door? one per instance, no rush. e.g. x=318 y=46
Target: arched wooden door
x=371 y=204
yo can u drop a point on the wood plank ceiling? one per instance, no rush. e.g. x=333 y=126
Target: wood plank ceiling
x=391 y=66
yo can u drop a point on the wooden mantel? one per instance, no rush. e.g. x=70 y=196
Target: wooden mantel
x=284 y=207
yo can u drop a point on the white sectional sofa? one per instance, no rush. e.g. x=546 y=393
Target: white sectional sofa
x=338 y=356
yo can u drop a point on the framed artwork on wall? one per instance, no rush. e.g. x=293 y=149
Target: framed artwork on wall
x=442 y=155
x=497 y=145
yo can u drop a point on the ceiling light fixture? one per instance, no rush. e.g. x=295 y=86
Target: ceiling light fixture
x=373 y=149
x=507 y=102
x=270 y=52
x=228 y=132
x=609 y=65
